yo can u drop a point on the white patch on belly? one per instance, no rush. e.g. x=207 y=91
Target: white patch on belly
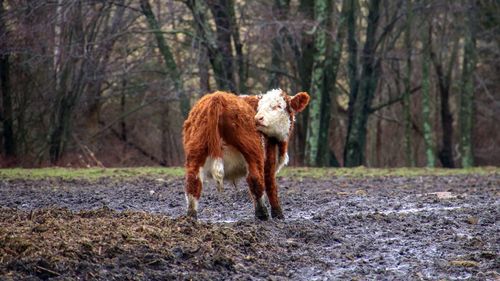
x=213 y=169
x=232 y=166
x=235 y=166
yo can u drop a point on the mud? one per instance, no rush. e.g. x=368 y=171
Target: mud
x=386 y=228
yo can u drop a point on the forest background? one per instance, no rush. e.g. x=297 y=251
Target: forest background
x=109 y=83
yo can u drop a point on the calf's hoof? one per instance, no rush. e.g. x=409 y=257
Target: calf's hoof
x=192 y=214
x=261 y=213
x=277 y=213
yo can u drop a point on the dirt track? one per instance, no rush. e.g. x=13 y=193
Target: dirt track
x=391 y=228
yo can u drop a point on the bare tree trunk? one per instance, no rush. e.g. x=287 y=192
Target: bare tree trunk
x=305 y=60
x=280 y=10
x=408 y=144
x=61 y=129
x=444 y=81
x=220 y=11
x=166 y=147
x=57 y=57
x=123 y=124
x=69 y=82
x=467 y=89
x=326 y=154
x=362 y=92
x=426 y=103
x=168 y=58
x=318 y=89
x=378 y=143
x=72 y=69
x=304 y=51
x=204 y=69
x=218 y=45
x=171 y=122
x=352 y=49
x=101 y=61
x=9 y=143
x=238 y=46
x=352 y=64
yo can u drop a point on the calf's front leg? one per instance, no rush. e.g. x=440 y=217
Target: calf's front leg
x=270 y=179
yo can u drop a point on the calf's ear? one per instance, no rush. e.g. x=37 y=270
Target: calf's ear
x=299 y=101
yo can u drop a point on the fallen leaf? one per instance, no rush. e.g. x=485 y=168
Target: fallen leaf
x=464 y=263
x=361 y=192
x=472 y=220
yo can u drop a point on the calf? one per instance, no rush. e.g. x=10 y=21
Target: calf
x=230 y=137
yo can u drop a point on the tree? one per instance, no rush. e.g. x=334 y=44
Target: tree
x=318 y=90
x=220 y=10
x=280 y=9
x=444 y=74
x=303 y=51
x=362 y=88
x=426 y=108
x=101 y=61
x=467 y=89
x=168 y=58
x=77 y=60
x=69 y=74
x=219 y=44
x=171 y=124
x=238 y=46
x=327 y=156
x=113 y=78
x=7 y=117
x=305 y=56
x=326 y=60
x=410 y=161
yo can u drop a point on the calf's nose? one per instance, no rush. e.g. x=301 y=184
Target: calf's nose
x=259 y=120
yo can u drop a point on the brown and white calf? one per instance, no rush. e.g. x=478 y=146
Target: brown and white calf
x=227 y=137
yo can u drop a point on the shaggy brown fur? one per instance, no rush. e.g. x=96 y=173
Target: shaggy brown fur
x=222 y=122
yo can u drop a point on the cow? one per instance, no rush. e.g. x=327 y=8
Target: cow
x=227 y=137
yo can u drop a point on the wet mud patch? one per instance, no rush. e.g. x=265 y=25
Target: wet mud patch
x=391 y=228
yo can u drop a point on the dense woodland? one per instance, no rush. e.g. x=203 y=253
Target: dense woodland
x=109 y=83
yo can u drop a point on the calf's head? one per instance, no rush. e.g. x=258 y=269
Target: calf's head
x=276 y=112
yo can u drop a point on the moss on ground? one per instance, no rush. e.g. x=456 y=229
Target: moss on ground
x=90 y=173
x=291 y=172
x=305 y=172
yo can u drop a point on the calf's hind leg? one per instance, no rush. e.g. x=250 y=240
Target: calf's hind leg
x=192 y=189
x=255 y=180
x=253 y=152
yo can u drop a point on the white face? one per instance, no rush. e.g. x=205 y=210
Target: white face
x=272 y=117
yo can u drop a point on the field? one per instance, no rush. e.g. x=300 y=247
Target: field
x=341 y=224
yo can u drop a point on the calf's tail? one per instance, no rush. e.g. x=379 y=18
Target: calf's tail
x=214 y=141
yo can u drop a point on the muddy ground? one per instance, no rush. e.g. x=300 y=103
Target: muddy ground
x=386 y=228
